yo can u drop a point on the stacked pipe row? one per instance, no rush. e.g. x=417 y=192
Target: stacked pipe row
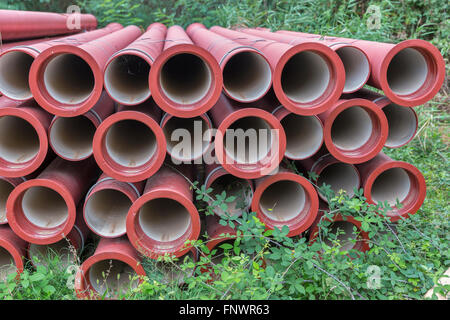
x=88 y=138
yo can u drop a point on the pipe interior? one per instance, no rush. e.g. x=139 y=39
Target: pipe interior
x=126 y=79
x=340 y=176
x=130 y=143
x=164 y=219
x=356 y=67
x=402 y=124
x=407 y=71
x=68 y=79
x=14 y=70
x=5 y=189
x=345 y=234
x=7 y=265
x=44 y=207
x=19 y=141
x=72 y=137
x=304 y=135
x=247 y=76
x=248 y=140
x=233 y=186
x=220 y=253
x=39 y=254
x=391 y=185
x=106 y=212
x=283 y=200
x=185 y=78
x=352 y=128
x=176 y=127
x=305 y=77
x=112 y=277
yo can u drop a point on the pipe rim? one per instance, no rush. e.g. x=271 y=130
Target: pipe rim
x=333 y=90
x=43 y=97
x=376 y=140
x=301 y=221
x=30 y=232
x=193 y=109
x=250 y=170
x=118 y=171
x=9 y=169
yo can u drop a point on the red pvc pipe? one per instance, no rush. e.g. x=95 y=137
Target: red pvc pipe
x=118 y=255
x=394 y=65
x=185 y=80
x=130 y=145
x=227 y=113
x=285 y=199
x=9 y=45
x=200 y=130
x=23 y=137
x=402 y=121
x=362 y=243
x=164 y=217
x=7 y=185
x=221 y=180
x=384 y=179
x=16 y=62
x=12 y=247
x=127 y=71
x=67 y=80
x=43 y=210
x=284 y=58
x=247 y=75
x=338 y=175
x=355 y=130
x=16 y=24
x=71 y=138
x=107 y=204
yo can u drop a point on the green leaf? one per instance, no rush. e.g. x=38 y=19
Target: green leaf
x=37 y=277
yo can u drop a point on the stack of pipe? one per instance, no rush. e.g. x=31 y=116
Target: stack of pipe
x=93 y=128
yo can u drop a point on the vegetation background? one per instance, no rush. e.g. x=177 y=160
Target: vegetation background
x=411 y=262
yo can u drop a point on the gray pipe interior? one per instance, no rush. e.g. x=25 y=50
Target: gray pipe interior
x=68 y=79
x=7 y=265
x=126 y=79
x=247 y=76
x=402 y=124
x=72 y=137
x=340 y=176
x=185 y=78
x=14 y=70
x=5 y=189
x=356 y=67
x=19 y=141
x=233 y=186
x=344 y=232
x=352 y=128
x=391 y=185
x=41 y=253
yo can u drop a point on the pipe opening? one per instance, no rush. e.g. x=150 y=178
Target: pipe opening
x=305 y=77
x=407 y=71
x=233 y=186
x=356 y=67
x=248 y=140
x=344 y=234
x=164 y=219
x=283 y=200
x=68 y=79
x=169 y=272
x=5 y=189
x=220 y=253
x=391 y=185
x=14 y=70
x=185 y=78
x=19 y=141
x=304 y=135
x=112 y=277
x=106 y=212
x=402 y=124
x=7 y=265
x=352 y=128
x=44 y=207
x=339 y=176
x=126 y=79
x=72 y=138
x=40 y=254
x=178 y=128
x=130 y=143
x=247 y=76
